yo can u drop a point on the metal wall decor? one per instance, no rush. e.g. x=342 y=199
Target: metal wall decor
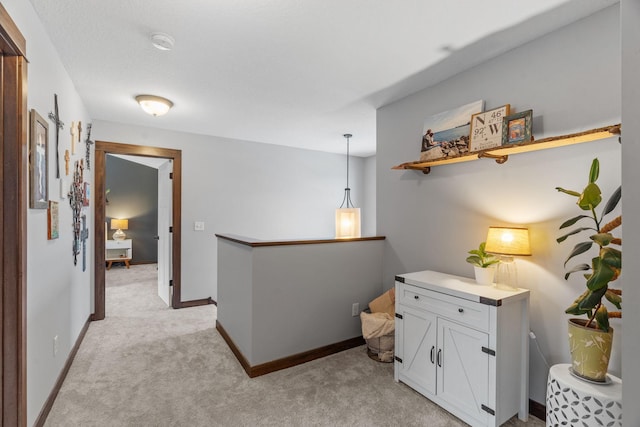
x=84 y=235
x=55 y=118
x=76 y=200
x=88 y=143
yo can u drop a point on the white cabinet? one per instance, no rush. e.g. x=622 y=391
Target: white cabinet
x=463 y=345
x=118 y=251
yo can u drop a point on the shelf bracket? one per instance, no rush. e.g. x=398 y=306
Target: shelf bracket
x=500 y=159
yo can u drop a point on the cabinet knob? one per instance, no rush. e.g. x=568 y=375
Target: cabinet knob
x=461 y=310
x=416 y=297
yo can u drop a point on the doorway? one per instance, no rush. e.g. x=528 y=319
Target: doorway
x=102 y=149
x=13 y=223
x=139 y=190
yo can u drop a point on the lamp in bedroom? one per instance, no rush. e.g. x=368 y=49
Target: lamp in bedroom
x=507 y=243
x=119 y=225
x=347 y=215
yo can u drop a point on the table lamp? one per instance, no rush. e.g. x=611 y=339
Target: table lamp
x=119 y=224
x=506 y=243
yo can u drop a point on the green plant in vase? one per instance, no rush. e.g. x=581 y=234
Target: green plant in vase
x=482 y=264
x=590 y=338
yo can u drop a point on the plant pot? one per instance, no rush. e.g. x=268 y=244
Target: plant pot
x=484 y=276
x=590 y=350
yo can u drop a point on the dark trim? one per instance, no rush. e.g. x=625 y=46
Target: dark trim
x=102 y=149
x=196 y=302
x=12 y=42
x=141 y=262
x=289 y=361
x=48 y=404
x=400 y=279
x=489 y=301
x=538 y=410
x=13 y=224
x=488 y=351
x=254 y=243
x=234 y=348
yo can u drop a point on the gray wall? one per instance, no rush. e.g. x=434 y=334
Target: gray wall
x=630 y=13
x=257 y=190
x=277 y=301
x=134 y=195
x=59 y=294
x=571 y=80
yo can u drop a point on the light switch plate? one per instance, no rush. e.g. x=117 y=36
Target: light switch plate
x=198 y=225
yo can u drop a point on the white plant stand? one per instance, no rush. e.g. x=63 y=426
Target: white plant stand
x=572 y=401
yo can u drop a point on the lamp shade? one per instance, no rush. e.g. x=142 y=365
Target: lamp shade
x=508 y=241
x=119 y=224
x=347 y=223
x=154 y=105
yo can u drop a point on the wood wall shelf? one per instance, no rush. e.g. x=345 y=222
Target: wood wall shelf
x=501 y=154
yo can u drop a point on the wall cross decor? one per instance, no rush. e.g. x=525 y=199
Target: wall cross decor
x=76 y=199
x=84 y=235
x=88 y=143
x=55 y=118
x=74 y=136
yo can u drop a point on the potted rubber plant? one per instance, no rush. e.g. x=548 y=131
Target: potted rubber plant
x=590 y=337
x=483 y=264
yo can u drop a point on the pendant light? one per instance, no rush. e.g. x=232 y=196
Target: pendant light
x=347 y=215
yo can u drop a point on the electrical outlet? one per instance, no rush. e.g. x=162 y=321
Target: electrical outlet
x=198 y=226
x=355 y=309
x=55 y=345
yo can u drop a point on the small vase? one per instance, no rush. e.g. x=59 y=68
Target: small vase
x=590 y=350
x=484 y=276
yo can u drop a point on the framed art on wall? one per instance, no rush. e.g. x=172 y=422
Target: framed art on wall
x=446 y=134
x=38 y=162
x=486 y=128
x=87 y=194
x=516 y=128
x=53 y=221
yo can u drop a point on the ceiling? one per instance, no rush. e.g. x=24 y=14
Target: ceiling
x=291 y=72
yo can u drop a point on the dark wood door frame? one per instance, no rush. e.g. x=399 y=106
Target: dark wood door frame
x=13 y=223
x=102 y=149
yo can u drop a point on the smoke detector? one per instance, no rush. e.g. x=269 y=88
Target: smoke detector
x=162 y=41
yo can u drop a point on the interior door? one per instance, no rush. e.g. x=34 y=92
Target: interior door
x=164 y=236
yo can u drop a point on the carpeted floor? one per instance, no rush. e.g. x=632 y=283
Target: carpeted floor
x=148 y=365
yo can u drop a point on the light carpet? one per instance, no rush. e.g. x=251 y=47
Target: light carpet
x=149 y=365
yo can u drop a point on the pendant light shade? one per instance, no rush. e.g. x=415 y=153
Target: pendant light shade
x=347 y=215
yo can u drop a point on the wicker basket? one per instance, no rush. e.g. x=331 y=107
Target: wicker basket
x=381 y=348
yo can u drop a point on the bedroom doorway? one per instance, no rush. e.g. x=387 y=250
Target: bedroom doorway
x=139 y=189
x=172 y=212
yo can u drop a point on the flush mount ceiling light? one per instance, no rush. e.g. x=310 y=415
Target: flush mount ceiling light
x=154 y=105
x=162 y=41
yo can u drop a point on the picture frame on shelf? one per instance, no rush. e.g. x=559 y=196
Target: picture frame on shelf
x=516 y=128
x=486 y=128
x=446 y=134
x=38 y=162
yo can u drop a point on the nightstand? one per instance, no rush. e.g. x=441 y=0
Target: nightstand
x=118 y=251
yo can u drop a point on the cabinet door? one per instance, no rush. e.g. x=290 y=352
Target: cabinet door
x=463 y=368
x=419 y=348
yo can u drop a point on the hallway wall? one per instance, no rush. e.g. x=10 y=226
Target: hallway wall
x=59 y=293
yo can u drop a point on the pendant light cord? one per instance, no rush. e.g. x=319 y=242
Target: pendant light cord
x=347 y=190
